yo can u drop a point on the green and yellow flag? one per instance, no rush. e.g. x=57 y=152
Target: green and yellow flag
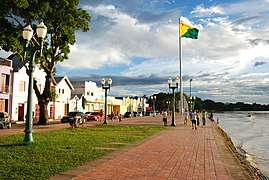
x=188 y=31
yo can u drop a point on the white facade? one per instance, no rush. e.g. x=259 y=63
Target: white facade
x=92 y=94
x=19 y=91
x=63 y=90
x=75 y=104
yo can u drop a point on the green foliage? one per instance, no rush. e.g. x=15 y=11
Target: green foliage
x=162 y=100
x=57 y=151
x=84 y=101
x=199 y=104
x=53 y=95
x=62 y=18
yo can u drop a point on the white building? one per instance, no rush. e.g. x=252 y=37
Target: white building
x=92 y=94
x=75 y=103
x=19 y=90
x=63 y=89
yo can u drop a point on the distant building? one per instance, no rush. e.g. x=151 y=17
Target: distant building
x=75 y=103
x=94 y=96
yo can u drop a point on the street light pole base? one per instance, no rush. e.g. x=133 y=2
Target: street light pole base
x=173 y=124
x=105 y=122
x=28 y=138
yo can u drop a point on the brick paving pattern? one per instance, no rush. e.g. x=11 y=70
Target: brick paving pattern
x=178 y=153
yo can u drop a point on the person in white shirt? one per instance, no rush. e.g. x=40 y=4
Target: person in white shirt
x=186 y=116
x=193 y=120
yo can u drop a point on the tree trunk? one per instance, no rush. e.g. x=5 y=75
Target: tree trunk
x=43 y=101
x=43 y=118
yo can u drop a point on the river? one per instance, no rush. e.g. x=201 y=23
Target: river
x=249 y=133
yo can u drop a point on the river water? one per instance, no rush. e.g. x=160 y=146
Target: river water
x=249 y=131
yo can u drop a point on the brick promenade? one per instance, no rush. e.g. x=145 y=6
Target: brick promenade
x=177 y=153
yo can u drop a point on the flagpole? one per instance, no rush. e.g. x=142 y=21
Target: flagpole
x=180 y=70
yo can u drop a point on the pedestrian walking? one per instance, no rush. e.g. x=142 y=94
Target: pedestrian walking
x=198 y=117
x=193 y=120
x=112 y=115
x=165 y=117
x=211 y=116
x=120 y=117
x=204 y=117
x=186 y=116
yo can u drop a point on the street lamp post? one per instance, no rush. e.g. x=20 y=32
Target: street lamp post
x=142 y=99
x=168 y=103
x=173 y=90
x=27 y=34
x=192 y=102
x=153 y=98
x=103 y=81
x=190 y=86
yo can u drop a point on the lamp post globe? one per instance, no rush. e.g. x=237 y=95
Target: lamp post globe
x=41 y=30
x=27 y=33
x=109 y=81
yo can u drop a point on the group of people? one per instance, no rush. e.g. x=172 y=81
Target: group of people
x=112 y=115
x=195 y=117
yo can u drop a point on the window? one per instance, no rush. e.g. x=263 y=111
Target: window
x=62 y=91
x=59 y=90
x=2 y=105
x=4 y=83
x=22 y=85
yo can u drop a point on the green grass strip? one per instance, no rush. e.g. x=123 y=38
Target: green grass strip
x=54 y=152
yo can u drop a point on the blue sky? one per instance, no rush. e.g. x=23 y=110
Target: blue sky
x=135 y=42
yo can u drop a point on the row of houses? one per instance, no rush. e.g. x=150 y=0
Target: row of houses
x=70 y=94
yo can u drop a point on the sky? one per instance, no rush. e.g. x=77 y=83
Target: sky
x=135 y=43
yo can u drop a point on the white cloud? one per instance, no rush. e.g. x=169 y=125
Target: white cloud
x=125 y=38
x=201 y=11
x=94 y=58
x=221 y=61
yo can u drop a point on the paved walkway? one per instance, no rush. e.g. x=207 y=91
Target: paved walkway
x=178 y=153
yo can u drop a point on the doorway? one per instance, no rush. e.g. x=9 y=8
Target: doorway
x=21 y=112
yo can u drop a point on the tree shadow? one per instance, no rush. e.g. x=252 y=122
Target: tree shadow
x=14 y=145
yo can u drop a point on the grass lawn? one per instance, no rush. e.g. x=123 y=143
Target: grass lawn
x=57 y=151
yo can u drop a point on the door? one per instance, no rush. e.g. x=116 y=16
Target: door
x=52 y=111
x=21 y=112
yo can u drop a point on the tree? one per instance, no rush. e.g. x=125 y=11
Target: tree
x=62 y=18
